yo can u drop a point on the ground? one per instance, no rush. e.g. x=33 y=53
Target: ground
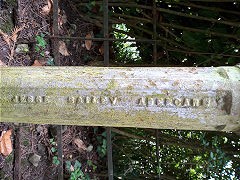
x=25 y=30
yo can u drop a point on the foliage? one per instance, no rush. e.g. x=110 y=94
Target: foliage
x=188 y=33
x=125 y=52
x=55 y=159
x=76 y=172
x=40 y=44
x=102 y=141
x=50 y=62
x=182 y=155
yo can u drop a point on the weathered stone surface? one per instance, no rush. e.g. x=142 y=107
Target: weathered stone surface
x=35 y=159
x=178 y=98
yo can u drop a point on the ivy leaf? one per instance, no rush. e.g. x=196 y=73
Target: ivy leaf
x=68 y=165
x=56 y=161
x=211 y=155
x=77 y=165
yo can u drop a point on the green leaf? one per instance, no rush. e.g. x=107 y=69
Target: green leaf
x=192 y=172
x=89 y=162
x=37 y=48
x=68 y=165
x=50 y=62
x=77 y=165
x=41 y=41
x=104 y=143
x=56 y=161
x=211 y=155
x=104 y=134
x=53 y=149
x=93 y=3
x=42 y=54
x=177 y=165
x=52 y=141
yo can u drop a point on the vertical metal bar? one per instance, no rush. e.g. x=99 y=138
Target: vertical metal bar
x=17 y=154
x=154 y=12
x=106 y=63
x=109 y=153
x=60 y=152
x=157 y=154
x=55 y=33
x=57 y=62
x=106 y=33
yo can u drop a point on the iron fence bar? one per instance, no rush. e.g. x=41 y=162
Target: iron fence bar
x=106 y=63
x=154 y=32
x=55 y=33
x=107 y=39
x=60 y=152
x=17 y=154
x=157 y=154
x=106 y=32
x=57 y=62
x=109 y=153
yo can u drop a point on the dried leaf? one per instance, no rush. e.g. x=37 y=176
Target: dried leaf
x=15 y=32
x=6 y=38
x=2 y=63
x=88 y=43
x=47 y=8
x=101 y=50
x=37 y=63
x=63 y=49
x=62 y=19
x=80 y=144
x=6 y=143
x=2 y=33
x=71 y=168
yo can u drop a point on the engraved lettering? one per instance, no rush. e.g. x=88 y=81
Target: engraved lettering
x=104 y=100
x=187 y=102
x=150 y=101
x=30 y=99
x=160 y=102
x=142 y=102
x=206 y=102
x=87 y=99
x=177 y=102
x=79 y=100
x=168 y=101
x=94 y=100
x=113 y=100
x=46 y=99
x=16 y=99
x=221 y=101
x=39 y=99
x=196 y=102
x=23 y=99
x=71 y=99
